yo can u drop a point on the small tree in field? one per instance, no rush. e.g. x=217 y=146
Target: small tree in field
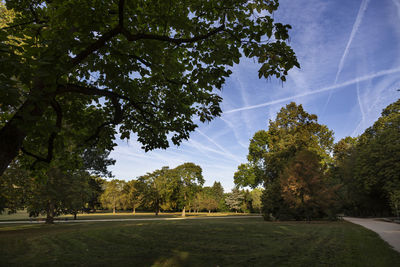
x=234 y=200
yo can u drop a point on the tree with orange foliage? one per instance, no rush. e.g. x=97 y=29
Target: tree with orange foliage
x=304 y=189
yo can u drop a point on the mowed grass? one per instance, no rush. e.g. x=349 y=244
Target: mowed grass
x=22 y=215
x=194 y=242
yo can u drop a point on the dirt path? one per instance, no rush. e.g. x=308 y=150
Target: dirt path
x=138 y=219
x=390 y=232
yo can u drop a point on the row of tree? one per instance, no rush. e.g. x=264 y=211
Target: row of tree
x=59 y=191
x=178 y=189
x=305 y=175
x=368 y=167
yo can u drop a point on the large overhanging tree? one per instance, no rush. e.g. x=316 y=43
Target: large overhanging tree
x=79 y=68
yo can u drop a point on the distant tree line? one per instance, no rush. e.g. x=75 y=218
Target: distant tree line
x=176 y=190
x=306 y=176
x=56 y=192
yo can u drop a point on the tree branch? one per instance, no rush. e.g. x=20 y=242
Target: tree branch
x=121 y=13
x=95 y=46
x=38 y=158
x=140 y=36
x=50 y=143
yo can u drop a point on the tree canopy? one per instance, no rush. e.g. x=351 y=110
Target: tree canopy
x=79 y=68
x=290 y=160
x=369 y=167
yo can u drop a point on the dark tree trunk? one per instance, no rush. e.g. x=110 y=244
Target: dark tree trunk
x=13 y=134
x=157 y=206
x=50 y=213
x=11 y=137
x=74 y=215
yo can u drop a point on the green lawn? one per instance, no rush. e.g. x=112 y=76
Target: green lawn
x=203 y=242
x=22 y=215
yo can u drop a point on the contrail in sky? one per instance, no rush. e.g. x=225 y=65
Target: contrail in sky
x=217 y=145
x=397 y=4
x=234 y=130
x=357 y=23
x=328 y=88
x=359 y=102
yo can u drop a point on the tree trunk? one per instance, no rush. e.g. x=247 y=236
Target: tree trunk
x=209 y=211
x=184 y=207
x=75 y=215
x=12 y=134
x=114 y=210
x=184 y=211
x=50 y=213
x=134 y=210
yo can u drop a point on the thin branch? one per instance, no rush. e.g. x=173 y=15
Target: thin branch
x=93 y=91
x=141 y=60
x=95 y=46
x=143 y=36
x=50 y=143
x=121 y=13
x=88 y=90
x=34 y=14
x=21 y=24
x=38 y=158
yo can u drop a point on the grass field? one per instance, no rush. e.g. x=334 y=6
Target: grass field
x=204 y=242
x=23 y=215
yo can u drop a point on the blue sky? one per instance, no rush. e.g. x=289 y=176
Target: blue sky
x=349 y=52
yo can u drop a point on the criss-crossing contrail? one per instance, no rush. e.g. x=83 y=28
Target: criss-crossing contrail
x=397 y=4
x=234 y=130
x=226 y=153
x=359 y=102
x=324 y=89
x=357 y=23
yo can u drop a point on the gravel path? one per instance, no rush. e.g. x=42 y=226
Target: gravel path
x=390 y=232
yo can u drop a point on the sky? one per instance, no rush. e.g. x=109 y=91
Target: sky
x=349 y=52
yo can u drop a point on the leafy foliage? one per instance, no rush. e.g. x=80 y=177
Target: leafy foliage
x=369 y=167
x=149 y=67
x=112 y=197
x=158 y=188
x=289 y=159
x=132 y=194
x=234 y=200
x=190 y=179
